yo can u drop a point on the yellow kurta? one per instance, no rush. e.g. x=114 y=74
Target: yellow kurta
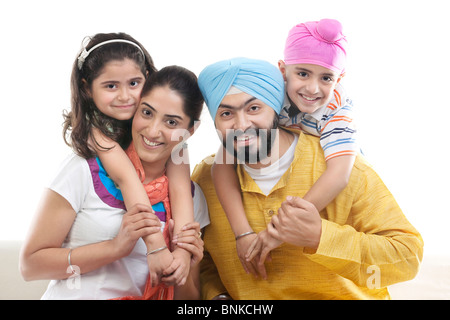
x=366 y=242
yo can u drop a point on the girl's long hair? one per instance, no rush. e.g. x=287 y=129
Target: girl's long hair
x=78 y=123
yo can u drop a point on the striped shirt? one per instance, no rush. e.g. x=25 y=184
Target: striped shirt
x=332 y=123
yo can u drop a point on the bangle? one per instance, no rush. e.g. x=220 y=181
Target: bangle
x=223 y=296
x=244 y=234
x=70 y=263
x=156 y=250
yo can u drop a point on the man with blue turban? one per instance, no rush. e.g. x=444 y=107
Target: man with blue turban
x=353 y=249
x=256 y=77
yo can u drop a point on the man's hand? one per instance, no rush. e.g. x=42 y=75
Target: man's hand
x=298 y=222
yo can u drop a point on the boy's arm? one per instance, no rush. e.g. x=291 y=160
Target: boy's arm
x=228 y=192
x=332 y=181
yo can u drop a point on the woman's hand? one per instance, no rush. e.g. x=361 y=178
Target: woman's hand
x=138 y=222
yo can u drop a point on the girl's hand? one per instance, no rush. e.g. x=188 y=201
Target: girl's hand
x=190 y=239
x=178 y=271
x=157 y=263
x=188 y=253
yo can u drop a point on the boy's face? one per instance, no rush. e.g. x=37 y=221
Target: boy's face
x=309 y=86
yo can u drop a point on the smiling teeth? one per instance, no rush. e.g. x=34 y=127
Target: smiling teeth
x=150 y=143
x=308 y=98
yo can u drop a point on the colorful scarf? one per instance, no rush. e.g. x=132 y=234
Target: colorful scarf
x=157 y=191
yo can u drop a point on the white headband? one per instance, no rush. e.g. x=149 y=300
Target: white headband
x=85 y=53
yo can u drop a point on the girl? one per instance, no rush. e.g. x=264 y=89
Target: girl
x=315 y=102
x=107 y=81
x=82 y=237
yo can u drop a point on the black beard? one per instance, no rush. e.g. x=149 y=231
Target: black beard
x=245 y=154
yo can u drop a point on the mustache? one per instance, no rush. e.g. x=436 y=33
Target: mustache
x=248 y=132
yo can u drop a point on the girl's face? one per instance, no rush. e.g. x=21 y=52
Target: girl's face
x=309 y=86
x=159 y=125
x=116 y=91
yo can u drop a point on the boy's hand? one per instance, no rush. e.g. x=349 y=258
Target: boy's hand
x=242 y=246
x=260 y=251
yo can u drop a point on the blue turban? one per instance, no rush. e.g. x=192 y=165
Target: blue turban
x=258 y=78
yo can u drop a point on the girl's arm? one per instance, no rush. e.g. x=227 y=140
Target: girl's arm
x=122 y=172
x=190 y=239
x=332 y=181
x=180 y=192
x=42 y=257
x=182 y=207
x=120 y=169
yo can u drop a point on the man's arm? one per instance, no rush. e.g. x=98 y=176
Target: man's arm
x=377 y=239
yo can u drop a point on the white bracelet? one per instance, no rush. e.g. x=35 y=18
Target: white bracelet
x=70 y=263
x=156 y=250
x=244 y=234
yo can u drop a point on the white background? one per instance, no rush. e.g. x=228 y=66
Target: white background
x=397 y=77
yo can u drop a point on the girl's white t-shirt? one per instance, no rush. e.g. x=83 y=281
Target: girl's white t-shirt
x=98 y=219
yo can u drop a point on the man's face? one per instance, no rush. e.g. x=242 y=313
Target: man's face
x=247 y=127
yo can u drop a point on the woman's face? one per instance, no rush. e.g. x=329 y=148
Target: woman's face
x=159 y=125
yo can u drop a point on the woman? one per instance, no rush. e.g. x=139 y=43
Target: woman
x=81 y=236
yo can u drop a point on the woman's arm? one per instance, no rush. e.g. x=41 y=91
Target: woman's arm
x=42 y=257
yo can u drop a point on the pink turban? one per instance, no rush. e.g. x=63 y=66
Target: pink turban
x=317 y=42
